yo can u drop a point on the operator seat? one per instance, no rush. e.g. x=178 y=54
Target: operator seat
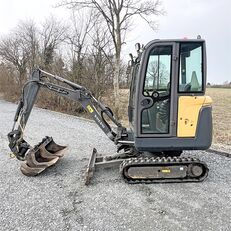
x=195 y=86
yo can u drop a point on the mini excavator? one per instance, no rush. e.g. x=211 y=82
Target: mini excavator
x=168 y=113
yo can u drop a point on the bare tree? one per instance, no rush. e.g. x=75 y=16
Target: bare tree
x=27 y=31
x=101 y=59
x=12 y=50
x=23 y=48
x=117 y=15
x=77 y=40
x=52 y=34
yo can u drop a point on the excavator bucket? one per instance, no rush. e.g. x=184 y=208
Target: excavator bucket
x=42 y=156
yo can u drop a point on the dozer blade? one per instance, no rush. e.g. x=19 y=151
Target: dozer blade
x=42 y=156
x=98 y=161
x=90 y=167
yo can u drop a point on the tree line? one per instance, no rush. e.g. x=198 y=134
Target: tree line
x=85 y=50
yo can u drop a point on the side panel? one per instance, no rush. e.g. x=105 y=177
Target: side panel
x=188 y=113
x=201 y=141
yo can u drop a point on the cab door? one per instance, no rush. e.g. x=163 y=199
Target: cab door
x=156 y=105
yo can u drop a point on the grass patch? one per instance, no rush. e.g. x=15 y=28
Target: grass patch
x=221 y=114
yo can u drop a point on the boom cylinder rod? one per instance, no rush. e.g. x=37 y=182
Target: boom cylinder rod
x=75 y=85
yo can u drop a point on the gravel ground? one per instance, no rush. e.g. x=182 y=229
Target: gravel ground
x=59 y=200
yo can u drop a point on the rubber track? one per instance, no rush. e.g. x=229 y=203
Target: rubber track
x=169 y=161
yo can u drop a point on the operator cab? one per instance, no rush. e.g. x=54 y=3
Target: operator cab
x=167 y=82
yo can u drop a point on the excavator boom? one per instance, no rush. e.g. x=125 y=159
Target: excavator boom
x=47 y=152
x=73 y=91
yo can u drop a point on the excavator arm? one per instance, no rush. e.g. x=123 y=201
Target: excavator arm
x=63 y=87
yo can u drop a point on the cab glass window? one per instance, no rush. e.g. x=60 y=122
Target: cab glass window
x=158 y=71
x=191 y=72
x=133 y=84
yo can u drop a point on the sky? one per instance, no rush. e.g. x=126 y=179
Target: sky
x=184 y=18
